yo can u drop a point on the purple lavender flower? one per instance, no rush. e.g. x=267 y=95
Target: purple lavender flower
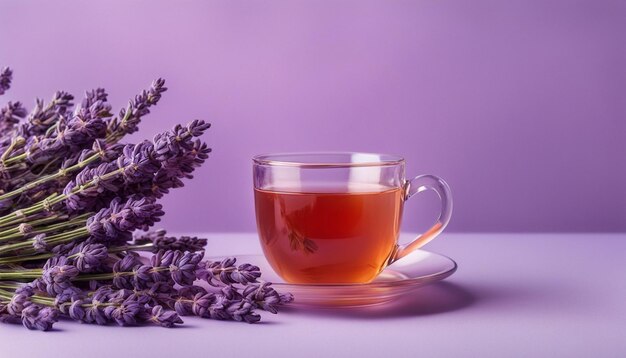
x=171 y=145
x=183 y=303
x=103 y=294
x=136 y=213
x=138 y=162
x=43 y=116
x=183 y=270
x=6 y=317
x=19 y=302
x=87 y=197
x=35 y=317
x=27 y=289
x=150 y=237
x=183 y=243
x=130 y=117
x=69 y=135
x=162 y=317
x=39 y=243
x=140 y=165
x=168 y=267
x=85 y=126
x=57 y=278
x=62 y=250
x=179 y=166
x=158 y=293
x=68 y=295
x=10 y=115
x=93 y=96
x=88 y=257
x=226 y=273
x=160 y=241
x=265 y=297
x=201 y=303
x=243 y=311
x=76 y=311
x=125 y=313
x=6 y=75
x=94 y=313
x=120 y=269
x=41 y=151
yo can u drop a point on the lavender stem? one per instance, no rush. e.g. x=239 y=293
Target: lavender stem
x=16 y=234
x=50 y=177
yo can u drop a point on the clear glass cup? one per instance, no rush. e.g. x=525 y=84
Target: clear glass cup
x=335 y=217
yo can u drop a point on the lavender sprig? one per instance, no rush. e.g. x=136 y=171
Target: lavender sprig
x=225 y=272
x=39 y=318
x=43 y=116
x=10 y=115
x=157 y=240
x=108 y=226
x=6 y=75
x=129 y=118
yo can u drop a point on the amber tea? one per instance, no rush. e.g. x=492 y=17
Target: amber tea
x=329 y=235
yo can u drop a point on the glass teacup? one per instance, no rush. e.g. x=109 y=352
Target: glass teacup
x=335 y=217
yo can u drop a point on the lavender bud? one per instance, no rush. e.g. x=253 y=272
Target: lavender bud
x=76 y=311
x=68 y=295
x=164 y=318
x=183 y=271
x=184 y=301
x=34 y=317
x=19 y=302
x=39 y=243
x=6 y=75
x=10 y=115
x=201 y=303
x=89 y=256
x=95 y=314
x=124 y=314
x=225 y=272
x=265 y=297
x=137 y=108
x=243 y=311
x=57 y=278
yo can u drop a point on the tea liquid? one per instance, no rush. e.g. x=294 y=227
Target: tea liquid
x=323 y=235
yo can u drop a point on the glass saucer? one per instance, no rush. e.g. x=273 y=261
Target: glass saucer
x=416 y=269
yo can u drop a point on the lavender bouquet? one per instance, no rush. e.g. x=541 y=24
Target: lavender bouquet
x=75 y=209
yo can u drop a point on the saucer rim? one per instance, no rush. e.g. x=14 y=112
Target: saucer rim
x=411 y=281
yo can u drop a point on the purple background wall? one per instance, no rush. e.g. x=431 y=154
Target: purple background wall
x=520 y=105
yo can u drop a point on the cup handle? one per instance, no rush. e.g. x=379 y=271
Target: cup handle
x=417 y=185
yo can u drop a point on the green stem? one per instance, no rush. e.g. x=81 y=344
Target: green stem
x=55 y=239
x=111 y=250
x=14 y=142
x=15 y=233
x=57 y=198
x=20 y=275
x=9 y=285
x=32 y=223
x=62 y=172
x=113 y=137
x=13 y=259
x=143 y=247
x=48 y=301
x=16 y=158
x=111 y=275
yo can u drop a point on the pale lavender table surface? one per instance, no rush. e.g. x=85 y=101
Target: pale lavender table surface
x=514 y=295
